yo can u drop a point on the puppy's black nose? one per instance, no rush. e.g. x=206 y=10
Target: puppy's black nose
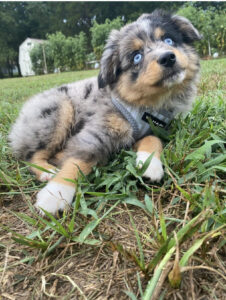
x=167 y=59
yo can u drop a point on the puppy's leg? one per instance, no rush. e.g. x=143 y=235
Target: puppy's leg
x=59 y=156
x=57 y=159
x=145 y=147
x=40 y=159
x=58 y=193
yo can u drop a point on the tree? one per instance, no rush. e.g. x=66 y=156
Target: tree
x=76 y=51
x=219 y=29
x=38 y=61
x=211 y=24
x=61 y=53
x=10 y=34
x=19 y=20
x=100 y=34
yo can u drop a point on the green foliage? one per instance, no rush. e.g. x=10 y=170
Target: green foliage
x=61 y=53
x=19 y=20
x=198 y=152
x=8 y=37
x=57 y=43
x=37 y=58
x=100 y=34
x=76 y=51
x=211 y=24
x=69 y=53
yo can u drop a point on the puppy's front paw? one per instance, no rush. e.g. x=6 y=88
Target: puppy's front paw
x=155 y=170
x=54 y=196
x=47 y=176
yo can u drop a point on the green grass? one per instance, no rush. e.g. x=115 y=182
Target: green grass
x=118 y=219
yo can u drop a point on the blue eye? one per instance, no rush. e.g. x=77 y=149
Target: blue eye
x=168 y=41
x=137 y=58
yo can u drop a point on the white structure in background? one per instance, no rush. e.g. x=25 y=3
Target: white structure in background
x=24 y=56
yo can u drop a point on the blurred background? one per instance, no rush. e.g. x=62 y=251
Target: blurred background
x=49 y=37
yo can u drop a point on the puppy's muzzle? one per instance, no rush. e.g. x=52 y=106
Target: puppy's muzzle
x=167 y=59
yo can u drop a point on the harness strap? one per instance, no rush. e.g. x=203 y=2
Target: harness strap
x=138 y=118
x=128 y=116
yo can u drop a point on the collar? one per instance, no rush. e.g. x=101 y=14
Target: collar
x=138 y=117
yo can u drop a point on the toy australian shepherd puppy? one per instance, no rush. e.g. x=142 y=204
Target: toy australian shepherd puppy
x=148 y=68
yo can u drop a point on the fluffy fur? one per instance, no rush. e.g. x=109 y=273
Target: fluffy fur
x=76 y=126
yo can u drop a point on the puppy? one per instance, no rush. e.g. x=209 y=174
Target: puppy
x=148 y=69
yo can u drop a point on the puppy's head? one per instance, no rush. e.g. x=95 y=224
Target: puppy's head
x=150 y=59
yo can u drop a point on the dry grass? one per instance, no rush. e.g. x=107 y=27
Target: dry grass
x=101 y=272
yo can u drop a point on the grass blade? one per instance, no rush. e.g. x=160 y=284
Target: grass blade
x=76 y=206
x=158 y=131
x=38 y=167
x=199 y=154
x=145 y=165
x=142 y=264
x=19 y=238
x=198 y=243
x=131 y=295
x=154 y=280
x=184 y=233
x=57 y=227
x=92 y=225
x=149 y=204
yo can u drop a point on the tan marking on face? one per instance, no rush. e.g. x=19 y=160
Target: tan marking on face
x=190 y=72
x=65 y=120
x=159 y=33
x=143 y=91
x=149 y=144
x=182 y=59
x=70 y=170
x=40 y=159
x=117 y=125
x=188 y=62
x=192 y=67
x=137 y=44
x=152 y=74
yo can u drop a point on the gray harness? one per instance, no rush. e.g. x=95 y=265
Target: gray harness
x=138 y=118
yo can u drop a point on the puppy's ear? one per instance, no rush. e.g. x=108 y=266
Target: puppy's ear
x=189 y=32
x=110 y=62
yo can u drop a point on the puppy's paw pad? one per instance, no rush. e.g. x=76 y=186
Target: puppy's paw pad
x=54 y=197
x=155 y=170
